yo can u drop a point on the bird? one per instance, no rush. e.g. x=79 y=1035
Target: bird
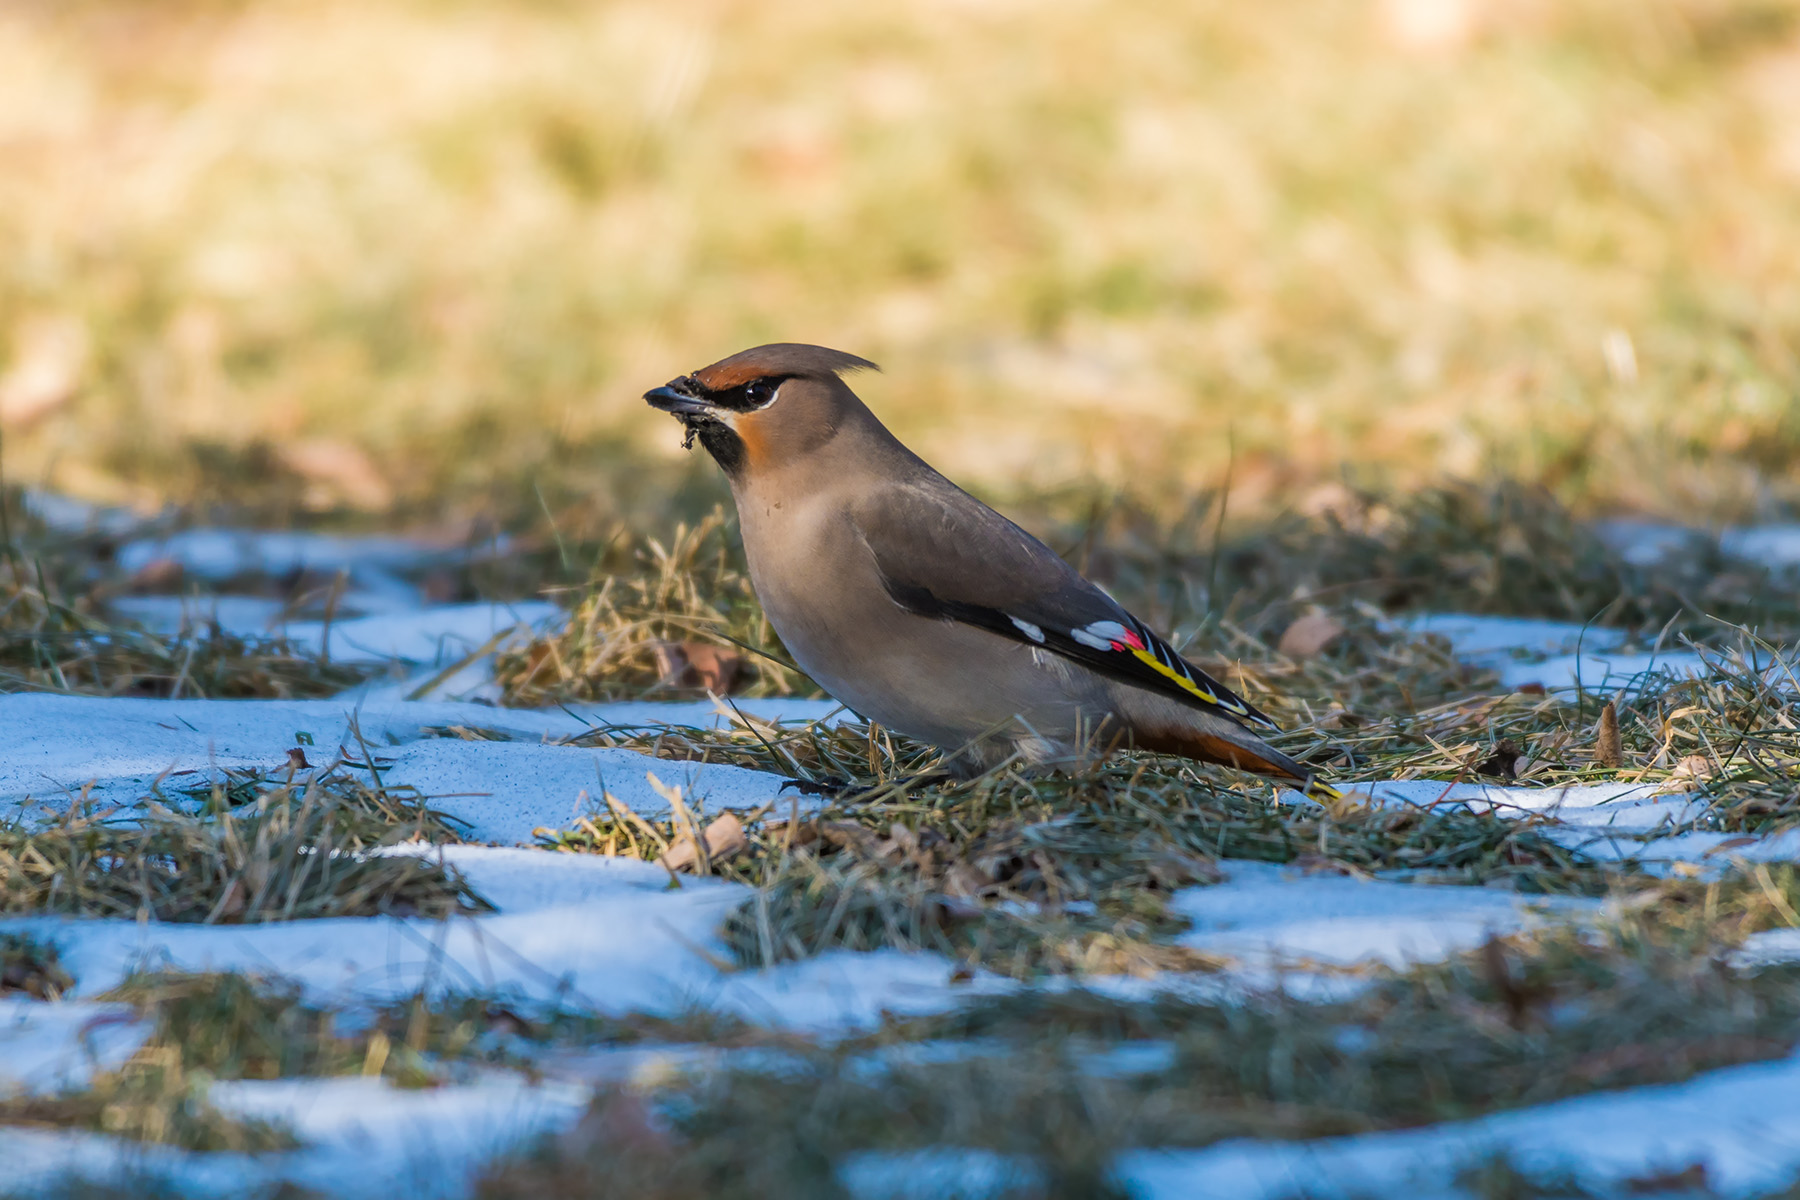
x=924 y=610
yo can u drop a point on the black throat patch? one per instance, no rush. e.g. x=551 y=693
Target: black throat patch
x=724 y=445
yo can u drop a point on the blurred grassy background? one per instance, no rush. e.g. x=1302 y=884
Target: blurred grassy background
x=419 y=258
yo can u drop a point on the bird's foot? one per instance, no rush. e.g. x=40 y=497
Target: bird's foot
x=844 y=790
x=816 y=787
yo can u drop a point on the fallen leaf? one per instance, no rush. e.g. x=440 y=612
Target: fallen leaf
x=724 y=838
x=1310 y=634
x=1694 y=766
x=1607 y=752
x=159 y=575
x=338 y=471
x=698 y=665
x=1503 y=763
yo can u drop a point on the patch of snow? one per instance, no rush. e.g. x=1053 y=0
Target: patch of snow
x=65 y=514
x=363 y=1138
x=51 y=750
x=948 y=1174
x=48 y=750
x=437 y=636
x=1475 y=635
x=469 y=682
x=1560 y=656
x=1646 y=543
x=1768 y=948
x=607 y=934
x=221 y=554
x=1697 y=847
x=366 y=1137
x=709 y=714
x=54 y=1046
x=1282 y=925
x=1130 y=1058
x=1622 y=807
x=1740 y=1124
x=505 y=790
x=1601 y=673
x=1775 y=546
x=247 y=617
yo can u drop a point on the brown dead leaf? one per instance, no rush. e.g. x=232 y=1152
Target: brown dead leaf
x=1504 y=763
x=724 y=838
x=337 y=472
x=159 y=575
x=1607 y=751
x=1309 y=635
x=698 y=665
x=1694 y=767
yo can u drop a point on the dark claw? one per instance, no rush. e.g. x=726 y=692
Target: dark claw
x=815 y=787
x=844 y=790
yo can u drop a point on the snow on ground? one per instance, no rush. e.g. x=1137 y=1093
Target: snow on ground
x=605 y=934
x=361 y=1137
x=1620 y=807
x=222 y=554
x=1559 y=656
x=48 y=1048
x=1647 y=543
x=1283 y=926
x=615 y=936
x=49 y=751
x=433 y=636
x=502 y=791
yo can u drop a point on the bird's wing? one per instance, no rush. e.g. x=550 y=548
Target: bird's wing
x=943 y=554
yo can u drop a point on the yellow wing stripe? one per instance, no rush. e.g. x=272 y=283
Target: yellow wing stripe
x=1149 y=658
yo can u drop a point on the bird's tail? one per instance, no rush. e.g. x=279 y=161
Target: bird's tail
x=1246 y=752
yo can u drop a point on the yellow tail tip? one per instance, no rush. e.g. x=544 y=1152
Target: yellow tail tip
x=1318 y=789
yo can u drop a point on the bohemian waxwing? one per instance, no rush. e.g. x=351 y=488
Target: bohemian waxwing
x=920 y=607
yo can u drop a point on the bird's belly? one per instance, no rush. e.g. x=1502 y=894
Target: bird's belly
x=947 y=684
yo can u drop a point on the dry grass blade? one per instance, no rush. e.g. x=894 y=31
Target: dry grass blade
x=693 y=591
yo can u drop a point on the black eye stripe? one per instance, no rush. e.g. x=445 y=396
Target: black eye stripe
x=752 y=395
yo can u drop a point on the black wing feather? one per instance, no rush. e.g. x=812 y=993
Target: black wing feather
x=1177 y=678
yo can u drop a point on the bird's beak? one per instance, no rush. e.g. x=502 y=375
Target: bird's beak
x=680 y=403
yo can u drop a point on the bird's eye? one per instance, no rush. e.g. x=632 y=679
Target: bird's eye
x=759 y=392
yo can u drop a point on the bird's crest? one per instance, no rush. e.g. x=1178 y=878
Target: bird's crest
x=787 y=359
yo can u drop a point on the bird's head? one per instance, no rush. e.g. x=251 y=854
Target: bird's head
x=764 y=406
